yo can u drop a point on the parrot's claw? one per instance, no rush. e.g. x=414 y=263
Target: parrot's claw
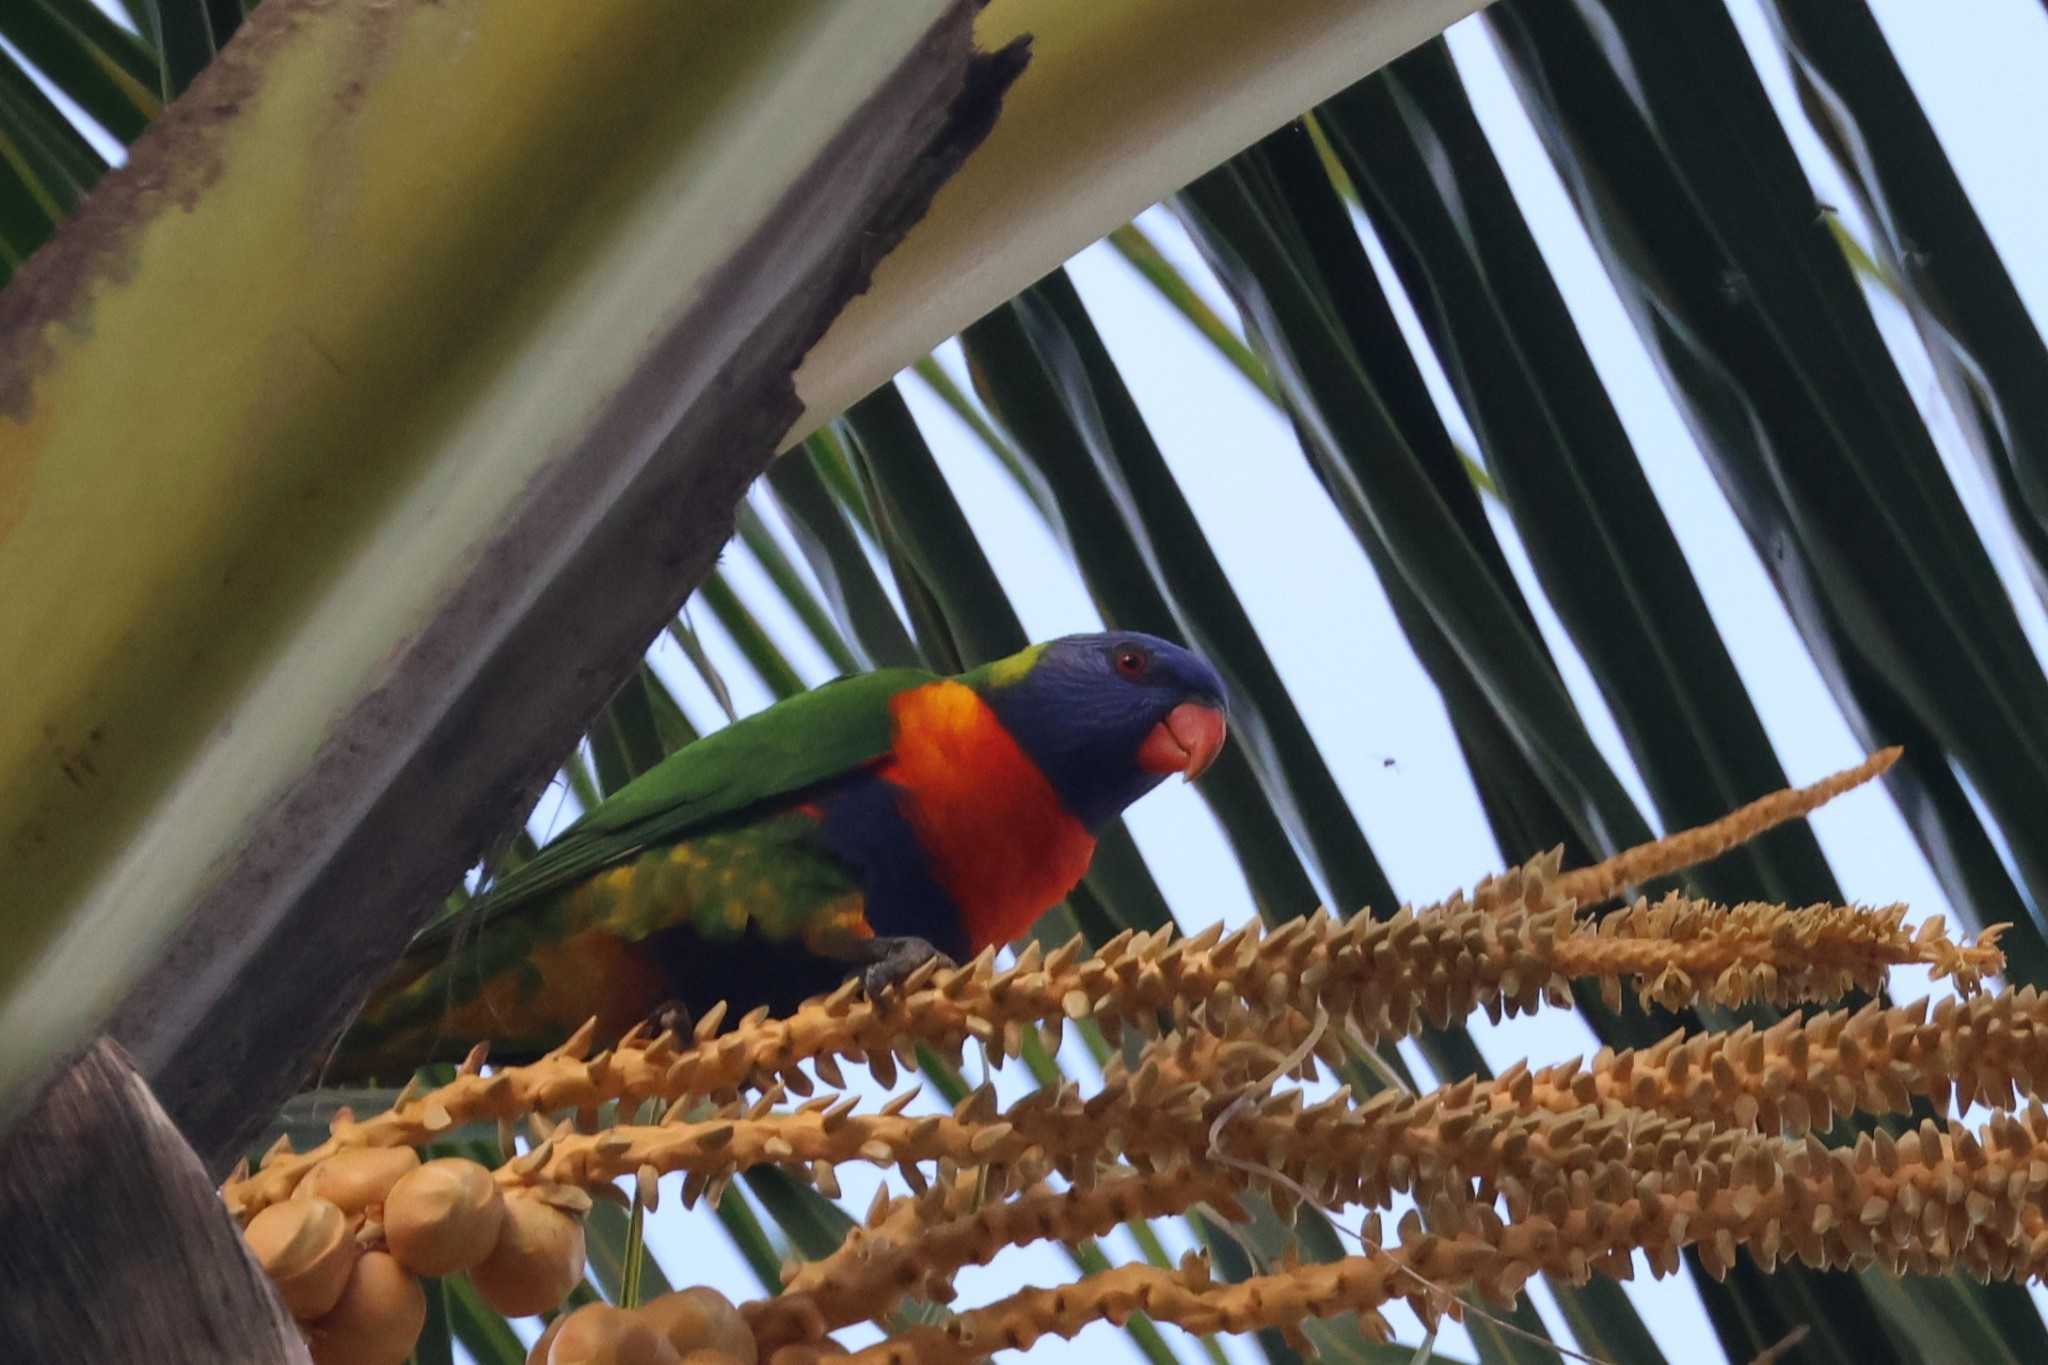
x=671 y=1016
x=894 y=959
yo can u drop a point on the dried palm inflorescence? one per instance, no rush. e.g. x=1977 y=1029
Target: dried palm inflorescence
x=1704 y=1142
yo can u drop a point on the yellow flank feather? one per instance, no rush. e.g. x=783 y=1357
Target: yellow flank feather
x=840 y=923
x=603 y=946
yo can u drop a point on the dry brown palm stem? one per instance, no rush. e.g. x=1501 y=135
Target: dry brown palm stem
x=1512 y=943
x=1691 y=847
x=1784 y=1346
x=1936 y=1200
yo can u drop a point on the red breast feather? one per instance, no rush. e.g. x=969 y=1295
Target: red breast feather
x=1000 y=842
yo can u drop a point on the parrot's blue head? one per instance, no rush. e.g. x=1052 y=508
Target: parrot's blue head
x=1106 y=717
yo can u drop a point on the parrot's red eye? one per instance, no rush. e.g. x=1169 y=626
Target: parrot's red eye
x=1131 y=662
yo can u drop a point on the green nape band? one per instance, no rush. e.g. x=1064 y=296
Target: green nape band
x=1006 y=672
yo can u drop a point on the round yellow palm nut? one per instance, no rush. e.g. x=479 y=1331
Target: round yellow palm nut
x=358 y=1178
x=306 y=1248
x=443 y=1217
x=704 y=1355
x=599 y=1334
x=378 y=1320
x=701 y=1317
x=806 y=1352
x=537 y=1354
x=538 y=1258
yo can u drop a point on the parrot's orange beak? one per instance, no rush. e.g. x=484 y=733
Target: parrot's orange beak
x=1186 y=742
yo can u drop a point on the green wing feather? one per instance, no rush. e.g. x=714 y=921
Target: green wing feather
x=797 y=743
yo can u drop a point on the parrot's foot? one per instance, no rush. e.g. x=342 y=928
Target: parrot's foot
x=890 y=960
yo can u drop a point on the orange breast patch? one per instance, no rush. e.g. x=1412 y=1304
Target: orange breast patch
x=1000 y=842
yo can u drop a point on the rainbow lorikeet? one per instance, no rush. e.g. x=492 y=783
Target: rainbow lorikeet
x=857 y=828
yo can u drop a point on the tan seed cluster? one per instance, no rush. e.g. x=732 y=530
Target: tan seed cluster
x=1337 y=1151
x=1691 y=847
x=1682 y=950
x=1940 y=1198
x=1800 y=1074
x=913 y=1247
